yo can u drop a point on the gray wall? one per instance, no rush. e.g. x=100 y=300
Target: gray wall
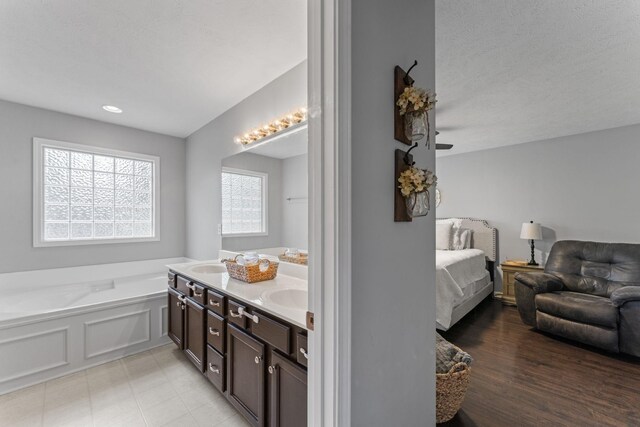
x=273 y=168
x=209 y=145
x=18 y=125
x=295 y=215
x=582 y=187
x=393 y=271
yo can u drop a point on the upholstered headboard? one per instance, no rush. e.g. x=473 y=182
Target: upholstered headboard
x=484 y=236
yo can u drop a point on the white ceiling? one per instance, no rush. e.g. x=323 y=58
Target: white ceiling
x=514 y=71
x=171 y=65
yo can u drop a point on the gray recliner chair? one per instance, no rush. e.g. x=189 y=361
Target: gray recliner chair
x=589 y=292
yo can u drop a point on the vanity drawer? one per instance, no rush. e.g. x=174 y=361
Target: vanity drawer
x=215 y=331
x=198 y=293
x=216 y=368
x=234 y=314
x=171 y=280
x=274 y=333
x=182 y=285
x=302 y=353
x=215 y=302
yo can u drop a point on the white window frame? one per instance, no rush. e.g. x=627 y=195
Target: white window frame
x=265 y=202
x=38 y=192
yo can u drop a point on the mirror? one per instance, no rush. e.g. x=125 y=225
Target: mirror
x=265 y=196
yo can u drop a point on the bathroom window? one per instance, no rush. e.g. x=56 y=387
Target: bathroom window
x=244 y=195
x=90 y=195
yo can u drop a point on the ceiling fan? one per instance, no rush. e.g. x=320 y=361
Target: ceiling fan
x=443 y=146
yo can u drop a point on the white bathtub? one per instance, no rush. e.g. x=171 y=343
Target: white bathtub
x=54 y=322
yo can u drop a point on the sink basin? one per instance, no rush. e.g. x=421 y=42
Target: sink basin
x=209 y=268
x=290 y=298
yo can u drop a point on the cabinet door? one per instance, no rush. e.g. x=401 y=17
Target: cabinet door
x=245 y=375
x=195 y=339
x=176 y=318
x=287 y=393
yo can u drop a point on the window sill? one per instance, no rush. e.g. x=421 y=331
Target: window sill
x=244 y=234
x=45 y=244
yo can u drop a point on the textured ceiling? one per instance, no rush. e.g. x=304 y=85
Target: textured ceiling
x=514 y=71
x=171 y=65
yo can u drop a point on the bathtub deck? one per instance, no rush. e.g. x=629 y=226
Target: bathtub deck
x=153 y=388
x=34 y=301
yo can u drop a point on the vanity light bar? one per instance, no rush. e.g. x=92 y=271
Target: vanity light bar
x=273 y=127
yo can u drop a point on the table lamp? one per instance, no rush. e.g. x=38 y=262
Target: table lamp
x=531 y=231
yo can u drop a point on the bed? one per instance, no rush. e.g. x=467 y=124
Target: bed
x=465 y=277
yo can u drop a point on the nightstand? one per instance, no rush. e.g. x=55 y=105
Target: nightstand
x=509 y=270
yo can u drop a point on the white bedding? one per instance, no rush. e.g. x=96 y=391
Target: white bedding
x=455 y=270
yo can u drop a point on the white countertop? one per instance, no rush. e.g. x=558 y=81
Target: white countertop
x=256 y=294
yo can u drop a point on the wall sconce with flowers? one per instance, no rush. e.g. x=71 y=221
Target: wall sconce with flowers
x=412 y=106
x=414 y=186
x=411 y=124
x=288 y=121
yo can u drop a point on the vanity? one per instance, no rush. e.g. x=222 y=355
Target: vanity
x=249 y=340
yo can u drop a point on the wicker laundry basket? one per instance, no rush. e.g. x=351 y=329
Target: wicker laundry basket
x=450 y=390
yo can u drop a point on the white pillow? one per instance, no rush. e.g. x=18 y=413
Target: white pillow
x=461 y=239
x=456 y=223
x=443 y=235
x=467 y=239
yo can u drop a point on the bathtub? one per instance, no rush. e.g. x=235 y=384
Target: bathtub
x=55 y=322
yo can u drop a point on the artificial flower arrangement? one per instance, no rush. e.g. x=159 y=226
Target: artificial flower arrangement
x=414 y=180
x=416 y=99
x=414 y=104
x=414 y=186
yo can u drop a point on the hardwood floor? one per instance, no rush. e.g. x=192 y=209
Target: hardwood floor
x=522 y=377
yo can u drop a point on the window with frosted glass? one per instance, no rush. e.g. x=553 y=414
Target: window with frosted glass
x=243 y=203
x=91 y=196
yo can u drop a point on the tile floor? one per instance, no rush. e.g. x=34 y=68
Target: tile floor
x=159 y=387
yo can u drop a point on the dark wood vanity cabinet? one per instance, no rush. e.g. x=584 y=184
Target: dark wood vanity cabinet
x=257 y=360
x=176 y=307
x=194 y=335
x=287 y=392
x=245 y=374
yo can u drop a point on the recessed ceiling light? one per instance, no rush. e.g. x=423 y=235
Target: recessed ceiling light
x=112 y=109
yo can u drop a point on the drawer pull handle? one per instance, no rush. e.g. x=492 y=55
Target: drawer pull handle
x=197 y=295
x=182 y=298
x=214 y=303
x=191 y=286
x=242 y=312
x=258 y=359
x=304 y=353
x=272 y=369
x=213 y=368
x=172 y=280
x=214 y=332
x=253 y=317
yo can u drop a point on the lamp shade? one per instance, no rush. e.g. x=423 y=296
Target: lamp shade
x=531 y=231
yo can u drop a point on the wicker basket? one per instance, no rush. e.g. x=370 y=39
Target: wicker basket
x=450 y=390
x=301 y=259
x=250 y=273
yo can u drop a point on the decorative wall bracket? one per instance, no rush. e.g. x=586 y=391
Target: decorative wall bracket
x=404 y=161
x=401 y=80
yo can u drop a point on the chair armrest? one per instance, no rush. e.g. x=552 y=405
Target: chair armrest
x=625 y=294
x=540 y=283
